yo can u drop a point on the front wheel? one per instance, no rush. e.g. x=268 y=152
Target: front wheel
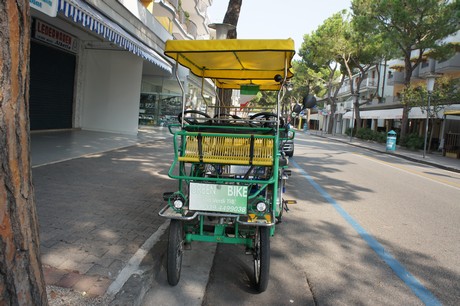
x=262 y=258
x=279 y=201
x=175 y=251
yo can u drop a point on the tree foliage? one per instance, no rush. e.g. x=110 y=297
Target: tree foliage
x=328 y=48
x=411 y=27
x=446 y=91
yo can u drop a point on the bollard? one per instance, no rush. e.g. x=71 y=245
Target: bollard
x=391 y=141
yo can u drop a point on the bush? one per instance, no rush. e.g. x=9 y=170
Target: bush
x=365 y=133
x=380 y=137
x=413 y=142
x=368 y=134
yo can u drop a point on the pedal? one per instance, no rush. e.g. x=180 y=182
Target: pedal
x=167 y=195
x=287 y=172
x=290 y=202
x=285 y=207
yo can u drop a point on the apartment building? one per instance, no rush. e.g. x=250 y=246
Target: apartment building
x=385 y=83
x=99 y=64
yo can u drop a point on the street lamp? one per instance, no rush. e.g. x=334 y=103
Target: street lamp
x=429 y=87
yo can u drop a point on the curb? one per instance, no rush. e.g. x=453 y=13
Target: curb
x=136 y=287
x=395 y=154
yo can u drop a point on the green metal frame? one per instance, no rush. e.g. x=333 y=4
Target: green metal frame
x=185 y=175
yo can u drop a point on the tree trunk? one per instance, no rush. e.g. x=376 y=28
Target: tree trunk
x=330 y=126
x=407 y=78
x=21 y=276
x=231 y=17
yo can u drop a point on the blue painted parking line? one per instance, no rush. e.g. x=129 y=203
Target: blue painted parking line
x=419 y=290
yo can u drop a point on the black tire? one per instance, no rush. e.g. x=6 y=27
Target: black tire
x=262 y=258
x=175 y=251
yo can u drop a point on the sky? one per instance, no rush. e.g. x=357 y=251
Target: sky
x=274 y=19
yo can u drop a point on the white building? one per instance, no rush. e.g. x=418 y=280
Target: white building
x=384 y=112
x=99 y=64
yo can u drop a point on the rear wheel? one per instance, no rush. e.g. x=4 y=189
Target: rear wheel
x=262 y=258
x=175 y=251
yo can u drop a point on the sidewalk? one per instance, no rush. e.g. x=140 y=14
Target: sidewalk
x=434 y=159
x=97 y=198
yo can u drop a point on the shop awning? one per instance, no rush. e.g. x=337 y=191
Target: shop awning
x=82 y=13
x=378 y=114
x=395 y=114
x=452 y=112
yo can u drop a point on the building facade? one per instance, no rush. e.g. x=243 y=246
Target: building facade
x=99 y=65
x=383 y=112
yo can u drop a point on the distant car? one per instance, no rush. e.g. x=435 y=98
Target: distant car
x=288 y=147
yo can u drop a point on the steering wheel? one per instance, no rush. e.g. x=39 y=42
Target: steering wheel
x=227 y=116
x=192 y=120
x=266 y=116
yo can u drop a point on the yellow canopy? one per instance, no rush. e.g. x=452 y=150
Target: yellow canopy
x=452 y=112
x=231 y=63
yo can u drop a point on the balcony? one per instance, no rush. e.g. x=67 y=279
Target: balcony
x=168 y=14
x=426 y=67
x=344 y=90
x=197 y=14
x=452 y=65
x=395 y=77
x=192 y=29
x=368 y=83
x=392 y=100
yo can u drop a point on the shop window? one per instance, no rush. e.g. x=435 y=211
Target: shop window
x=159 y=109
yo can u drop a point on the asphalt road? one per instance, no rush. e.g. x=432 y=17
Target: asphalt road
x=368 y=229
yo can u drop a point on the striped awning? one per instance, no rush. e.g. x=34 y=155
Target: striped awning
x=377 y=114
x=396 y=114
x=82 y=13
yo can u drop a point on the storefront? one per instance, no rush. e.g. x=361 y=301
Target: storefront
x=161 y=98
x=157 y=109
x=86 y=70
x=52 y=76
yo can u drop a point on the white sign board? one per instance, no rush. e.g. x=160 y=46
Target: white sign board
x=218 y=197
x=55 y=36
x=48 y=7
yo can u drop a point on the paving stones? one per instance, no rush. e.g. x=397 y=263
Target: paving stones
x=95 y=212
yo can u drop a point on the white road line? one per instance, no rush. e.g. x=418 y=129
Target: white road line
x=134 y=262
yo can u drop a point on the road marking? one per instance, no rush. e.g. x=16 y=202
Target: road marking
x=417 y=288
x=421 y=174
x=135 y=261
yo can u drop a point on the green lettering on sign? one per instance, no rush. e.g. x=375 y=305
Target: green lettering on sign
x=218 y=198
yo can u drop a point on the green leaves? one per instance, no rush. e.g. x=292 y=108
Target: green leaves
x=408 y=25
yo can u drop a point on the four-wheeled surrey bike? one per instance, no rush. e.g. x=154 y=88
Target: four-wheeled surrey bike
x=230 y=170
